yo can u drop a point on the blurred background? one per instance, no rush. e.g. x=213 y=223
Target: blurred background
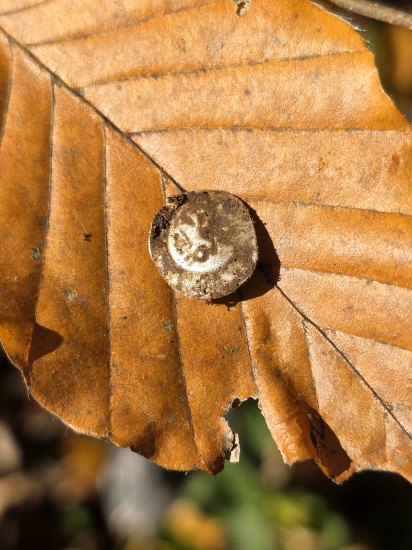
x=59 y=490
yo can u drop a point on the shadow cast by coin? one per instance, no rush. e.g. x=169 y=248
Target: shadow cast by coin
x=267 y=272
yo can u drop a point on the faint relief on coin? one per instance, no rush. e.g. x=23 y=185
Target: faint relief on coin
x=204 y=244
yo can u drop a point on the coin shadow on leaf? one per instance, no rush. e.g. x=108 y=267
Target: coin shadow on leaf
x=43 y=342
x=267 y=272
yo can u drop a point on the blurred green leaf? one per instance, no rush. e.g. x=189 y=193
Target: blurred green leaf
x=76 y=519
x=248 y=529
x=335 y=532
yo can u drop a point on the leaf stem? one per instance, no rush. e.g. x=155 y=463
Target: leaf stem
x=376 y=11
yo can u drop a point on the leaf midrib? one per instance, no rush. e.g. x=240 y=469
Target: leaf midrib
x=306 y=319
x=57 y=80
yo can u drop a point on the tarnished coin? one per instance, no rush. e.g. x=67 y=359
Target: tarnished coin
x=204 y=244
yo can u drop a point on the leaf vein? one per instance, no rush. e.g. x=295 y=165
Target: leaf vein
x=215 y=68
x=133 y=23
x=26 y=8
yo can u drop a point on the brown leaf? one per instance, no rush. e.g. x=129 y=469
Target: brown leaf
x=106 y=106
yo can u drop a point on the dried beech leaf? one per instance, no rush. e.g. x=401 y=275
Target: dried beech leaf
x=104 y=107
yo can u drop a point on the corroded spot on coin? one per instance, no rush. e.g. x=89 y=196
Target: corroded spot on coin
x=204 y=244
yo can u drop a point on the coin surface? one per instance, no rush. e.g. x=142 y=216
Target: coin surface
x=204 y=244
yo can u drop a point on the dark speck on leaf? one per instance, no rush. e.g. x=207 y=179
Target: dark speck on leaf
x=167 y=325
x=35 y=253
